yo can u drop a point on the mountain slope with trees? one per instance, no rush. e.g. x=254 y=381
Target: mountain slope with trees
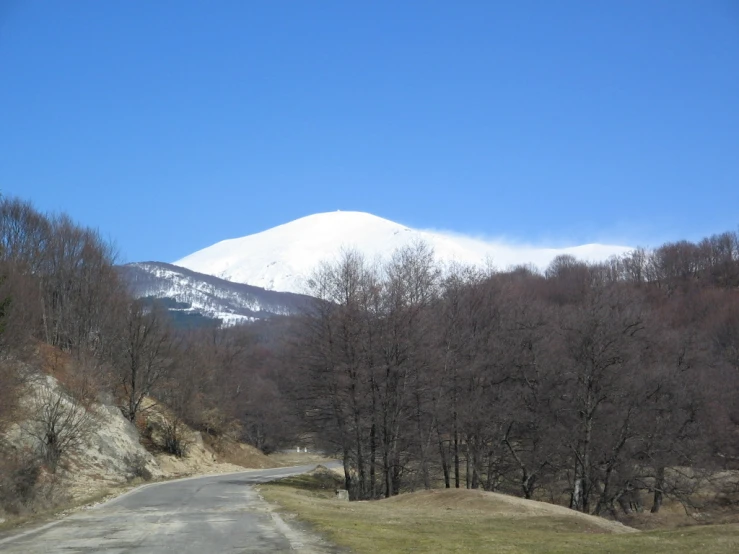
x=190 y=294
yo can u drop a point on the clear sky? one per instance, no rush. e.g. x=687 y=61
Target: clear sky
x=172 y=125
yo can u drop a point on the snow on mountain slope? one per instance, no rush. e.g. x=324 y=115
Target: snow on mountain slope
x=282 y=257
x=232 y=303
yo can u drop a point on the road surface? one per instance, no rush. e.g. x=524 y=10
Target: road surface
x=212 y=514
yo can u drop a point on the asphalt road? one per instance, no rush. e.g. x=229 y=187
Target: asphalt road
x=212 y=514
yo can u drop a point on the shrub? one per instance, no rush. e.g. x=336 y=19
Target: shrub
x=58 y=423
x=136 y=467
x=20 y=479
x=174 y=437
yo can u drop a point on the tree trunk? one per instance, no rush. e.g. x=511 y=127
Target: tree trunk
x=444 y=463
x=373 y=462
x=348 y=485
x=659 y=485
x=456 y=455
x=527 y=484
x=468 y=467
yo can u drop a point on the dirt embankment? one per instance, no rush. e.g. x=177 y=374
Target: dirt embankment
x=106 y=455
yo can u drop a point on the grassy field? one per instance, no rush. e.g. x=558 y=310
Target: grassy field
x=474 y=521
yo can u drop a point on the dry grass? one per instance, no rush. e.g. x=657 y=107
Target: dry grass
x=64 y=509
x=228 y=451
x=474 y=521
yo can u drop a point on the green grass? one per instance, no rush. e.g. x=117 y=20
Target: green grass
x=471 y=521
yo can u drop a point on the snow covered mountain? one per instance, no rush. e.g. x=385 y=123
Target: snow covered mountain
x=192 y=294
x=281 y=258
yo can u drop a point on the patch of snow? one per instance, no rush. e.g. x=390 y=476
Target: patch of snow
x=212 y=299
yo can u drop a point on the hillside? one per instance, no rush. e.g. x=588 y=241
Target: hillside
x=282 y=257
x=66 y=448
x=193 y=294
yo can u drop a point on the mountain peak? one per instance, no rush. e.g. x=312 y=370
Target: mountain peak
x=281 y=258
x=336 y=221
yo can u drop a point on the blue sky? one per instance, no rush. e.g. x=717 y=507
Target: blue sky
x=173 y=125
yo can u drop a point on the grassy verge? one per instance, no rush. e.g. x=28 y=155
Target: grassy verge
x=74 y=504
x=470 y=521
x=62 y=509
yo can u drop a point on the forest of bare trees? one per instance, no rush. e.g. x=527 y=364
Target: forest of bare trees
x=592 y=385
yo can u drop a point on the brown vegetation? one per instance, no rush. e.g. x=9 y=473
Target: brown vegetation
x=65 y=313
x=587 y=385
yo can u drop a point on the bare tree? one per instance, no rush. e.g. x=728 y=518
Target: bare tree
x=144 y=356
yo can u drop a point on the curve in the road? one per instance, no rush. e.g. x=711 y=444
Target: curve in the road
x=215 y=513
